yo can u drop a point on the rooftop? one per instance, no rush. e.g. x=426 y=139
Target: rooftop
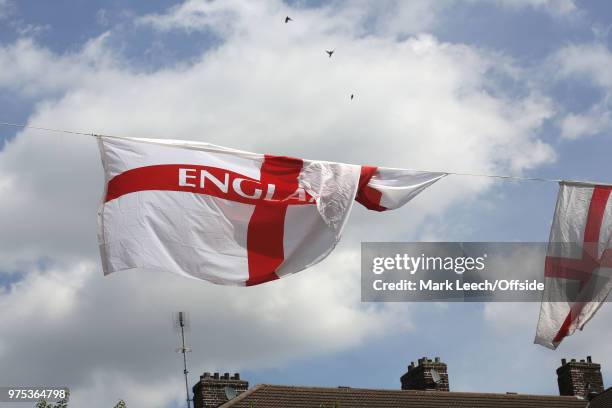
x=283 y=396
x=603 y=400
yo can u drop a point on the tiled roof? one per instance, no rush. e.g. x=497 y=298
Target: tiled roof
x=283 y=396
x=603 y=400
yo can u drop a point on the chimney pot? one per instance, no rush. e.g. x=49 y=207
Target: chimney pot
x=580 y=380
x=420 y=377
x=210 y=393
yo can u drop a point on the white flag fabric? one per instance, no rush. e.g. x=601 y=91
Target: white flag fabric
x=382 y=189
x=578 y=264
x=231 y=217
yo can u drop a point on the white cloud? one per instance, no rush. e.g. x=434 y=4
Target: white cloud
x=268 y=87
x=595 y=121
x=590 y=62
x=354 y=17
x=392 y=17
x=6 y=8
x=385 y=17
x=220 y=17
x=560 y=7
x=419 y=104
x=34 y=71
x=93 y=332
x=11 y=18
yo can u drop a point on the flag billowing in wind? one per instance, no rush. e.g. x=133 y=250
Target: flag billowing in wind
x=232 y=217
x=578 y=264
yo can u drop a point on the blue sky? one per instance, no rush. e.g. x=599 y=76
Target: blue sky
x=477 y=86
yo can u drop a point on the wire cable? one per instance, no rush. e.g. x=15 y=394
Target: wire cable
x=497 y=176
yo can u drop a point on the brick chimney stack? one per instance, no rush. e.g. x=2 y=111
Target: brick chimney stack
x=580 y=378
x=210 y=391
x=423 y=376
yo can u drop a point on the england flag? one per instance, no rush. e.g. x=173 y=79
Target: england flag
x=231 y=217
x=578 y=266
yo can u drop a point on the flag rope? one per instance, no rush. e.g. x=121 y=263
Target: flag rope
x=503 y=177
x=19 y=125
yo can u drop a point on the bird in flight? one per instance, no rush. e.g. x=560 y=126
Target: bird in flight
x=352 y=96
x=288 y=19
x=329 y=52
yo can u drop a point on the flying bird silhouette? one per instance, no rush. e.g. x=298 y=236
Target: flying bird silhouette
x=288 y=19
x=329 y=52
x=352 y=96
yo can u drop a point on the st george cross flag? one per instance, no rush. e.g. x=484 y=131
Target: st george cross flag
x=578 y=264
x=231 y=217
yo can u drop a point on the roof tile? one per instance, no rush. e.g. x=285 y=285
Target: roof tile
x=284 y=396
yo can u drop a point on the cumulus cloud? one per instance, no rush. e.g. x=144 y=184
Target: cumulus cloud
x=560 y=7
x=34 y=71
x=354 y=17
x=385 y=17
x=589 y=62
x=420 y=103
x=220 y=17
x=597 y=120
x=93 y=332
x=414 y=100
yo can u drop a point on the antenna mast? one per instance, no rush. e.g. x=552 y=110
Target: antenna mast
x=181 y=322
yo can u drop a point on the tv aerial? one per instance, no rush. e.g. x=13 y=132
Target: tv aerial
x=181 y=324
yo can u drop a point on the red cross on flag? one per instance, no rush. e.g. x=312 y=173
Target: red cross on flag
x=578 y=264
x=231 y=217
